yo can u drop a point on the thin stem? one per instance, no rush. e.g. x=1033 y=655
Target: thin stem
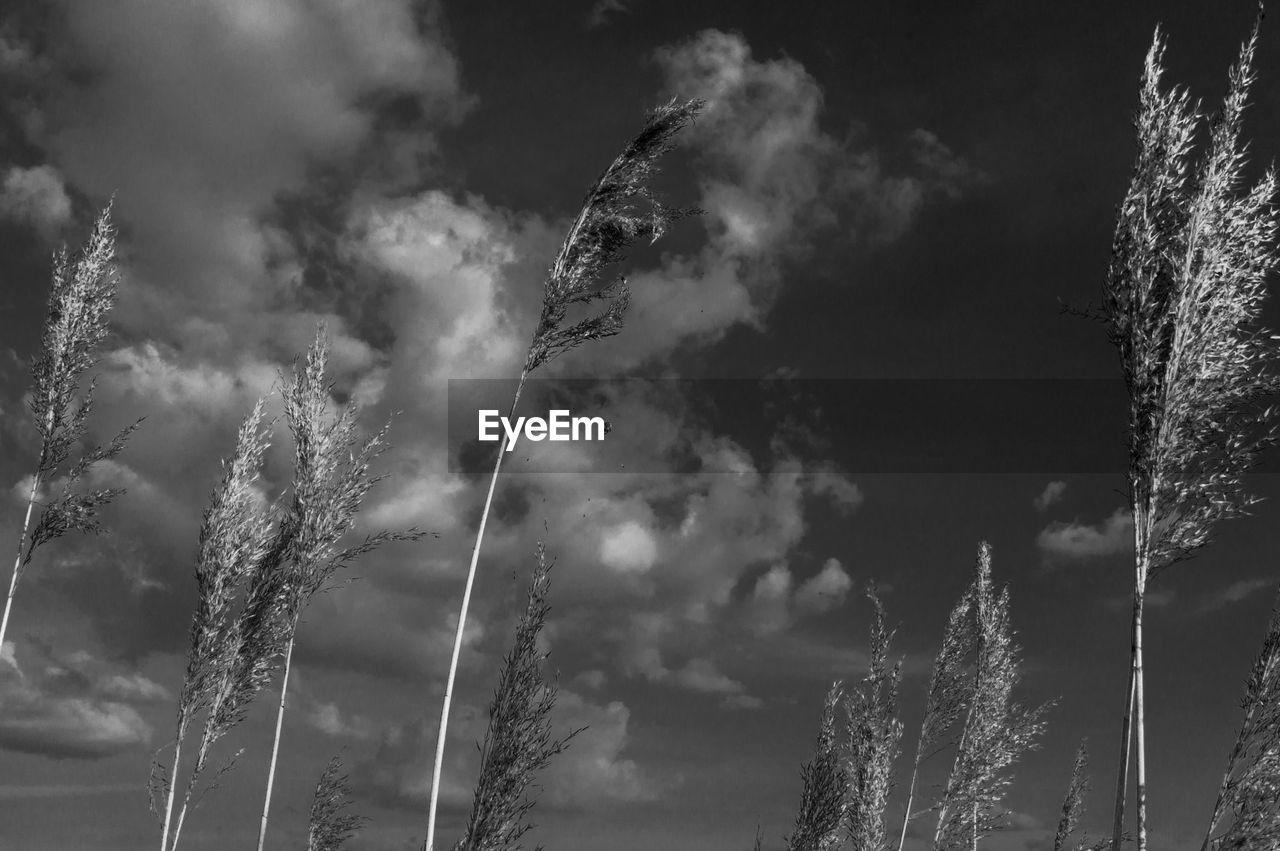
x=1142 y=739
x=182 y=815
x=1140 y=541
x=275 y=745
x=1122 y=772
x=428 y=844
x=911 y=794
x=964 y=736
x=173 y=784
x=201 y=758
x=17 y=561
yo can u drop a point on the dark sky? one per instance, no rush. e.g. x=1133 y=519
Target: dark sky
x=904 y=194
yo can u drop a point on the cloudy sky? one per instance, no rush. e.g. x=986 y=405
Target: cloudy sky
x=891 y=191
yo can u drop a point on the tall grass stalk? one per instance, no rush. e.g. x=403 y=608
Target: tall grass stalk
x=81 y=295
x=1073 y=802
x=1250 y=789
x=821 y=820
x=251 y=649
x=517 y=742
x=235 y=537
x=997 y=730
x=330 y=825
x=1183 y=298
x=950 y=691
x=874 y=737
x=618 y=210
x=330 y=481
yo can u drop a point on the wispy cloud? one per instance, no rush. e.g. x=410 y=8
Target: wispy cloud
x=1236 y=592
x=604 y=11
x=72 y=707
x=774 y=605
x=36 y=196
x=1076 y=540
x=1051 y=495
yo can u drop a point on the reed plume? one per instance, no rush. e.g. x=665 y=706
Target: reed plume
x=874 y=737
x=1183 y=299
x=1073 y=804
x=950 y=692
x=1250 y=790
x=330 y=825
x=82 y=293
x=996 y=731
x=618 y=210
x=331 y=479
x=517 y=742
x=821 y=821
x=235 y=537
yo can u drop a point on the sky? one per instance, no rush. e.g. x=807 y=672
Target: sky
x=853 y=367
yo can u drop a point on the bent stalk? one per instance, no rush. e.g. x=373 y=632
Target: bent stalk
x=17 y=561
x=275 y=745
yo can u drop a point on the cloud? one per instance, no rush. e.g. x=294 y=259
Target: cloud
x=946 y=172
x=770 y=602
x=326 y=716
x=410 y=639
x=399 y=773
x=628 y=547
x=775 y=602
x=16 y=56
x=592 y=680
x=593 y=771
x=1236 y=592
x=742 y=701
x=200 y=115
x=826 y=590
x=701 y=675
x=779 y=174
x=1051 y=495
x=603 y=11
x=72 y=708
x=1077 y=541
x=844 y=494
x=770 y=179
x=35 y=196
x=451 y=260
x=213 y=123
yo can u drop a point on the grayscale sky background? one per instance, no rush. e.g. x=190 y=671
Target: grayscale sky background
x=892 y=191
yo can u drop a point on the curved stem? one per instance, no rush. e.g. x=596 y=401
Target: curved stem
x=275 y=745
x=17 y=561
x=428 y=844
x=911 y=794
x=173 y=785
x=202 y=758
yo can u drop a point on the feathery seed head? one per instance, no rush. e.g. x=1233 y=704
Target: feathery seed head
x=330 y=825
x=517 y=742
x=619 y=209
x=1183 y=301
